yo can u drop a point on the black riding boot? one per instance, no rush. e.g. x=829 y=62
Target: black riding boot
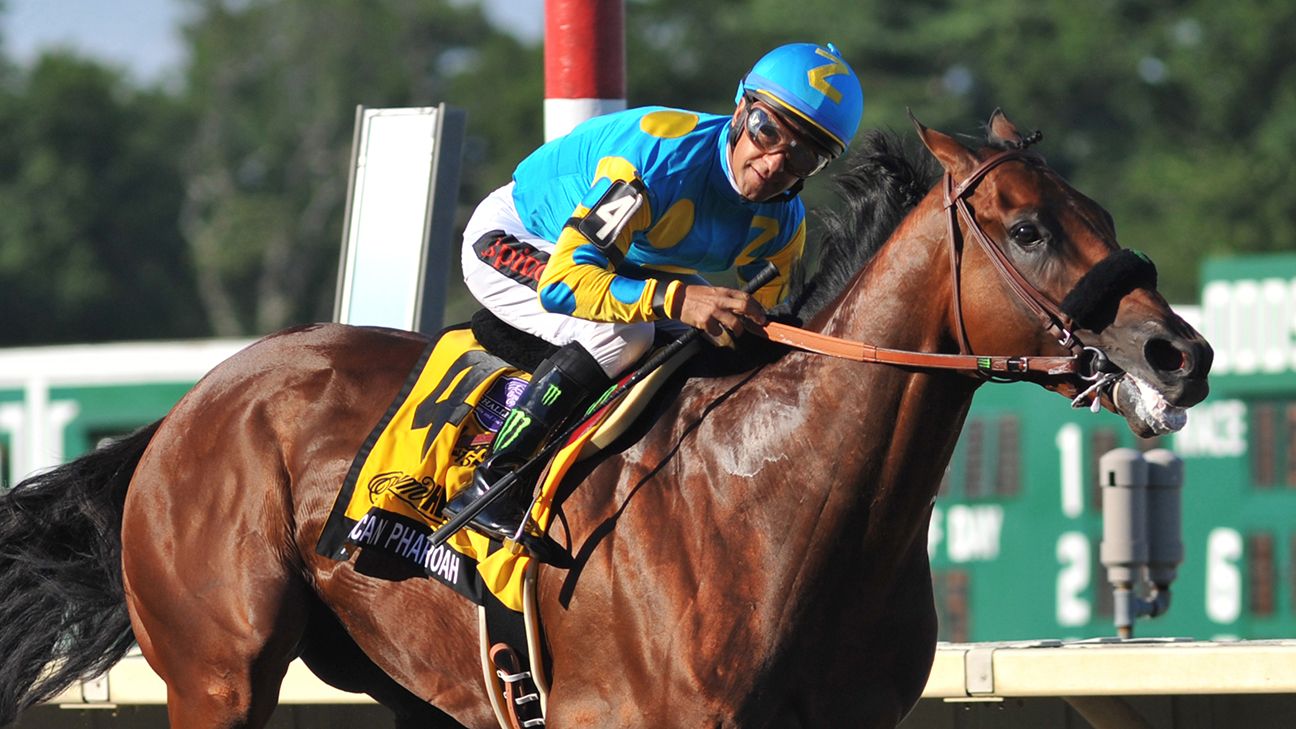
x=560 y=385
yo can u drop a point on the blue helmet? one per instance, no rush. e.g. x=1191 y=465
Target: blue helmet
x=813 y=87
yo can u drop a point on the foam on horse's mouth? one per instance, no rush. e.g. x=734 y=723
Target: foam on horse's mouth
x=1142 y=401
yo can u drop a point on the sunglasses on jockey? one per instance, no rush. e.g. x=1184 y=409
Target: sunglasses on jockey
x=770 y=134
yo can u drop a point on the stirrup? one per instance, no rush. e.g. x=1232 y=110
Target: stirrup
x=500 y=519
x=544 y=549
x=541 y=546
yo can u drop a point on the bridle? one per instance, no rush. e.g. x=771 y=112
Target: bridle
x=1087 y=363
x=1048 y=315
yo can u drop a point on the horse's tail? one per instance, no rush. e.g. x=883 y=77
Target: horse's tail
x=62 y=606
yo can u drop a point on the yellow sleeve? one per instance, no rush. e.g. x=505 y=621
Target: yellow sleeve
x=580 y=279
x=784 y=259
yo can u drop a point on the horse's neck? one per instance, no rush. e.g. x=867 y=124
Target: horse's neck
x=800 y=491
x=901 y=299
x=901 y=423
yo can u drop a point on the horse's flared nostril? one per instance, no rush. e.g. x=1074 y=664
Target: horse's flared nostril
x=1163 y=356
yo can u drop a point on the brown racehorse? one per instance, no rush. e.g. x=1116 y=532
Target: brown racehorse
x=753 y=556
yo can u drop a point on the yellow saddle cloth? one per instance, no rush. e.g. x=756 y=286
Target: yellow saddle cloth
x=436 y=431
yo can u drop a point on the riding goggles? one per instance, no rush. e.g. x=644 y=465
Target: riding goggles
x=770 y=135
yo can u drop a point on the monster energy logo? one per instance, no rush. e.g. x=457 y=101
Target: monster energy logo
x=517 y=421
x=983 y=363
x=552 y=393
x=602 y=399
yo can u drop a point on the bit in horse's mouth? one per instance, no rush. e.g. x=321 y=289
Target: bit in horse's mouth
x=1141 y=403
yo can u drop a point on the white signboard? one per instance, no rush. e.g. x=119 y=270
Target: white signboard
x=396 y=249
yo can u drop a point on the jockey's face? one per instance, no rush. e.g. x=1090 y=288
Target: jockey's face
x=760 y=169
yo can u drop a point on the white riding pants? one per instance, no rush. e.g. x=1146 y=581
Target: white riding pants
x=614 y=346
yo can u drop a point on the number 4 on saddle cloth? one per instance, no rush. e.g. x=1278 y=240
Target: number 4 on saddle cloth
x=436 y=432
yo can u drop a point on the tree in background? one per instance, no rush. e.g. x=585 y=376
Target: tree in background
x=273 y=88
x=89 y=246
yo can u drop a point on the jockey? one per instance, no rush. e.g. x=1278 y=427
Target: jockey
x=602 y=232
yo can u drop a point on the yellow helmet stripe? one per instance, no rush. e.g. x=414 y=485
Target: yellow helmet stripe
x=768 y=96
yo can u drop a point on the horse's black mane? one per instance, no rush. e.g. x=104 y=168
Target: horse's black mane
x=883 y=181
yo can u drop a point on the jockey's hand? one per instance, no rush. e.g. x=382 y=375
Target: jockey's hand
x=719 y=312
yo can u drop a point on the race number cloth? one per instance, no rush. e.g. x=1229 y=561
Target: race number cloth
x=436 y=431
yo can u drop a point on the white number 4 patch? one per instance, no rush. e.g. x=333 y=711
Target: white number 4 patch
x=605 y=221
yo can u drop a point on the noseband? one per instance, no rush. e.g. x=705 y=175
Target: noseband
x=1115 y=275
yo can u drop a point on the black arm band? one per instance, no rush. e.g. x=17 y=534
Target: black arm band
x=659 y=300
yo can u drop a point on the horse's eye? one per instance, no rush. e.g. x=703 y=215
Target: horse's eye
x=1026 y=234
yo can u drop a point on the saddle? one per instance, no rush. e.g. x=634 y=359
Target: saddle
x=526 y=351
x=436 y=430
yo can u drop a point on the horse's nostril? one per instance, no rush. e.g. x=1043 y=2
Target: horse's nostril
x=1164 y=356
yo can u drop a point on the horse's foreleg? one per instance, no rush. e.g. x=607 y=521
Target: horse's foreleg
x=901 y=651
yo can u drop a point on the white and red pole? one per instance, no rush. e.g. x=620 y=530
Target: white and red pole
x=584 y=62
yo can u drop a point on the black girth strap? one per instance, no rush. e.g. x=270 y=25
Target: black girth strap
x=1094 y=299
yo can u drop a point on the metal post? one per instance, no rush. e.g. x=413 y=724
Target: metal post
x=585 y=62
x=1124 y=550
x=399 y=227
x=1164 y=508
x=1141 y=546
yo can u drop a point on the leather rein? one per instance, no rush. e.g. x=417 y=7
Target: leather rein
x=1087 y=362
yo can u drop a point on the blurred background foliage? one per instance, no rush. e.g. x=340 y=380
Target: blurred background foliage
x=214 y=206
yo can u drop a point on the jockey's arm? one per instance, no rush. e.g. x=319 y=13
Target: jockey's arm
x=580 y=279
x=719 y=311
x=785 y=258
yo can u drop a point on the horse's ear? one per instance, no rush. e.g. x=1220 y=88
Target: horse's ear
x=954 y=157
x=1002 y=133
